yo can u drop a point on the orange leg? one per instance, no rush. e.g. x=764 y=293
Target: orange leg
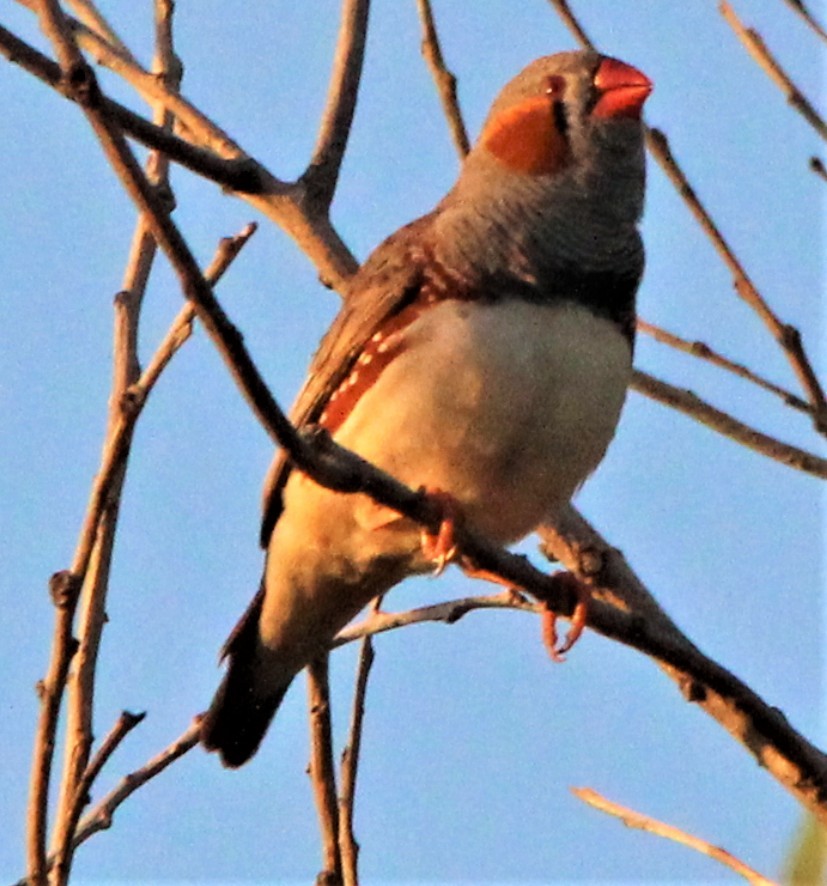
x=440 y=547
x=548 y=618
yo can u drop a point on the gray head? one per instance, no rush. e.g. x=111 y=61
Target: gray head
x=562 y=147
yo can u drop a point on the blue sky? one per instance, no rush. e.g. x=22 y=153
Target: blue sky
x=472 y=736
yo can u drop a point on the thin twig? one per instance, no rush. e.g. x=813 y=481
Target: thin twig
x=322 y=173
x=799 y=7
x=704 y=352
x=103 y=522
x=93 y=19
x=64 y=590
x=449 y=612
x=571 y=22
x=282 y=202
x=321 y=770
x=787 y=336
x=348 y=847
x=643 y=822
x=181 y=327
x=817 y=167
x=60 y=864
x=100 y=817
x=446 y=82
x=691 y=404
x=761 y=54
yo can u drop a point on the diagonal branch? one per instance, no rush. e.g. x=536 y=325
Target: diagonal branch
x=321 y=770
x=446 y=82
x=799 y=7
x=571 y=22
x=643 y=822
x=788 y=337
x=322 y=173
x=704 y=352
x=622 y=604
x=691 y=404
x=768 y=63
x=280 y=201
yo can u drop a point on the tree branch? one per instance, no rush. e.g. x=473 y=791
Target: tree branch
x=64 y=590
x=760 y=53
x=348 y=847
x=571 y=22
x=785 y=335
x=623 y=609
x=322 y=174
x=446 y=82
x=322 y=771
x=799 y=7
x=643 y=822
x=689 y=403
x=704 y=352
x=61 y=861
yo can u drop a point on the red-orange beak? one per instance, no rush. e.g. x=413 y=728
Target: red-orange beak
x=622 y=89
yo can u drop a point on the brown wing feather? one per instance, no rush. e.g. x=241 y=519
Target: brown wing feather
x=386 y=282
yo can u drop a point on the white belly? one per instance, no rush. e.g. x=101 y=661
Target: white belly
x=508 y=408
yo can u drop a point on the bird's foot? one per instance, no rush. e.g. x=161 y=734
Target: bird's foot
x=441 y=547
x=548 y=619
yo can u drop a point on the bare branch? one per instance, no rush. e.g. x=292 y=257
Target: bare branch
x=60 y=864
x=181 y=327
x=91 y=17
x=622 y=607
x=322 y=771
x=643 y=822
x=689 y=403
x=446 y=82
x=64 y=590
x=787 y=336
x=756 y=47
x=704 y=352
x=571 y=22
x=348 y=847
x=100 y=817
x=322 y=174
x=279 y=201
x=799 y=7
x=447 y=613
x=101 y=526
x=818 y=168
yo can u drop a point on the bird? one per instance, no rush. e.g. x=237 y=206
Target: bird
x=482 y=352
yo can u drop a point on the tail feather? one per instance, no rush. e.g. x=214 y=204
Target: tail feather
x=238 y=717
x=249 y=694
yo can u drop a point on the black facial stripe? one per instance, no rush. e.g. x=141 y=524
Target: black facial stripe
x=561 y=117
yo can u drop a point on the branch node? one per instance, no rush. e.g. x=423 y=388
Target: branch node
x=64 y=589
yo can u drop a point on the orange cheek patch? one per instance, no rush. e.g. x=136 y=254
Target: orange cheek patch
x=526 y=139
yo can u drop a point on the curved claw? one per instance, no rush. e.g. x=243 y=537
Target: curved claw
x=557 y=651
x=441 y=547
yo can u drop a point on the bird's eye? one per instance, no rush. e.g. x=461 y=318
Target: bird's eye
x=555 y=86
